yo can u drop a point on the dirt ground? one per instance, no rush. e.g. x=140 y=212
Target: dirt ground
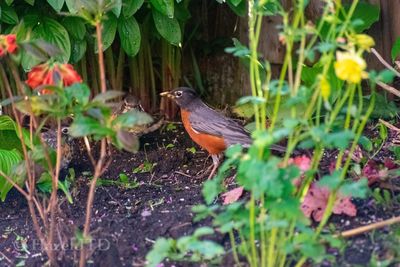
x=156 y=202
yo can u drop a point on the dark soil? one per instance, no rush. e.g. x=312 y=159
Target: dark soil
x=126 y=221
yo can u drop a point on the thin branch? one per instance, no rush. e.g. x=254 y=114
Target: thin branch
x=389 y=88
x=387 y=65
x=370 y=227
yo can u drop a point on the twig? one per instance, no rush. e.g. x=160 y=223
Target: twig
x=387 y=65
x=390 y=126
x=6 y=258
x=22 y=191
x=389 y=88
x=370 y=227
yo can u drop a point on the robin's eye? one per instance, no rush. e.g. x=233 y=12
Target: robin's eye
x=178 y=93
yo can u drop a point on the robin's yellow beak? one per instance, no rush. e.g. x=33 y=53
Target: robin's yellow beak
x=167 y=94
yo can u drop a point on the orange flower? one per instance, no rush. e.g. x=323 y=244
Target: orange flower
x=52 y=74
x=11 y=41
x=8 y=43
x=69 y=75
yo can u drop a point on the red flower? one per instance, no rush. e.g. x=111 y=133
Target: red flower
x=69 y=75
x=8 y=43
x=11 y=41
x=52 y=74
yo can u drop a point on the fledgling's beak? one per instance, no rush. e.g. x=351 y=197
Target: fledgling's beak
x=167 y=94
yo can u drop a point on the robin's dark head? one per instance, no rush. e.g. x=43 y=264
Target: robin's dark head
x=183 y=96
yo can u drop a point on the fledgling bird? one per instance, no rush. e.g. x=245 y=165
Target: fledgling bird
x=209 y=129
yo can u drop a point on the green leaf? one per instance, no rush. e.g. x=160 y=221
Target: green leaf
x=331 y=181
x=8 y=15
x=395 y=49
x=366 y=143
x=108 y=31
x=56 y=4
x=202 y=231
x=75 y=27
x=78 y=93
x=240 y=9
x=9 y=2
x=338 y=140
x=116 y=7
x=84 y=126
x=366 y=13
x=129 y=33
x=78 y=49
x=109 y=95
x=165 y=7
x=159 y=251
x=356 y=189
x=211 y=189
x=31 y=2
x=130 y=7
x=168 y=28
x=235 y=2
x=50 y=31
x=8 y=159
x=131 y=118
x=73 y=6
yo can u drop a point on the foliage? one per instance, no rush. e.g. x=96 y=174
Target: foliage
x=317 y=102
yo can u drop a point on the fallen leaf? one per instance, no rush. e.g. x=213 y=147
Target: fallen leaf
x=232 y=195
x=371 y=172
x=303 y=163
x=315 y=202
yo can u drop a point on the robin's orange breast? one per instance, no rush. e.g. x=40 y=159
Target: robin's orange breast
x=213 y=144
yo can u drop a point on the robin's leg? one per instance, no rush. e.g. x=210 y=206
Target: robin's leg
x=215 y=159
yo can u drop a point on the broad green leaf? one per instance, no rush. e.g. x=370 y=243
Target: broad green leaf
x=31 y=2
x=8 y=159
x=108 y=31
x=129 y=7
x=56 y=4
x=78 y=49
x=165 y=7
x=131 y=118
x=168 y=28
x=73 y=6
x=240 y=9
x=116 y=7
x=9 y=2
x=366 y=13
x=75 y=27
x=8 y=15
x=396 y=49
x=78 y=93
x=84 y=126
x=235 y=2
x=129 y=33
x=50 y=31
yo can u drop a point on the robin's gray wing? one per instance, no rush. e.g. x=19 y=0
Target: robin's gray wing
x=205 y=120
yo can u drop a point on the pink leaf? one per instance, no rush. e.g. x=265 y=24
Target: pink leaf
x=233 y=195
x=315 y=202
x=371 y=171
x=303 y=163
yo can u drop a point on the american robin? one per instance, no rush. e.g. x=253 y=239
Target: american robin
x=209 y=129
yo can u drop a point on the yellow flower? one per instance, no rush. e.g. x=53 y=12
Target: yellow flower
x=364 y=41
x=350 y=67
x=325 y=88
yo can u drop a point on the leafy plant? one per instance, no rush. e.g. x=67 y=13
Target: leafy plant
x=123 y=182
x=146 y=166
x=317 y=107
